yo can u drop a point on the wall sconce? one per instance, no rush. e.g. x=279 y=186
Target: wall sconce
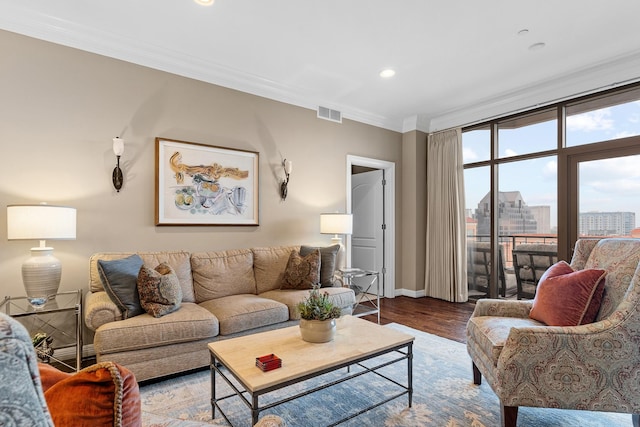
x=118 y=149
x=288 y=167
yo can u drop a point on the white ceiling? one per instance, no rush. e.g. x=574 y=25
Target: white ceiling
x=456 y=61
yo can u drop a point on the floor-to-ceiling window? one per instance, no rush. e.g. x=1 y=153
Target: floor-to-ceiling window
x=536 y=181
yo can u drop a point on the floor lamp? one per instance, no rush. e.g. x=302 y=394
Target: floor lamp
x=42 y=271
x=337 y=224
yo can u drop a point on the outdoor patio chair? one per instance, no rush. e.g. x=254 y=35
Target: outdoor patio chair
x=479 y=268
x=530 y=261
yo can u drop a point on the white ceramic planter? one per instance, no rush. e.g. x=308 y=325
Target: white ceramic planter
x=317 y=331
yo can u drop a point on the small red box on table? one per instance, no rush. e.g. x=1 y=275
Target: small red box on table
x=268 y=362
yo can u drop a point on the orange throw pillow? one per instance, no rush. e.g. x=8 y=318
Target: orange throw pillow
x=566 y=297
x=104 y=394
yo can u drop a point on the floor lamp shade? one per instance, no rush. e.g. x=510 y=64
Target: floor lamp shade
x=42 y=271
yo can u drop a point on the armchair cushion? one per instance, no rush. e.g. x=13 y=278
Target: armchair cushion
x=104 y=394
x=566 y=297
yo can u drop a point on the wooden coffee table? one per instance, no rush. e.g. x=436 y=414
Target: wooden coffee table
x=356 y=340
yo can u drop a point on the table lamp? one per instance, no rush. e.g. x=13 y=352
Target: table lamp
x=336 y=224
x=42 y=271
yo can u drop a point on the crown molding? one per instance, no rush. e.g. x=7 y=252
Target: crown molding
x=604 y=75
x=45 y=27
x=18 y=18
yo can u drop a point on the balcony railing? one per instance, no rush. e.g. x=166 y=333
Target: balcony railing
x=508 y=242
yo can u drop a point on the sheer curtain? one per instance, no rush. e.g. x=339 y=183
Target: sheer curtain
x=446 y=263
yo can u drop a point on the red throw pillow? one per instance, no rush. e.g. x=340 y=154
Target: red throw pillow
x=104 y=394
x=565 y=297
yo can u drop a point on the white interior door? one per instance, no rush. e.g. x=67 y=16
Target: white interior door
x=368 y=215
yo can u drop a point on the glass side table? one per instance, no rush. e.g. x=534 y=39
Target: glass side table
x=361 y=282
x=60 y=318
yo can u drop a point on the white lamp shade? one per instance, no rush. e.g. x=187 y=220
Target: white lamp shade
x=118 y=146
x=288 y=166
x=336 y=223
x=41 y=222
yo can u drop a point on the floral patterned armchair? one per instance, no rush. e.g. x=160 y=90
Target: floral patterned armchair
x=594 y=367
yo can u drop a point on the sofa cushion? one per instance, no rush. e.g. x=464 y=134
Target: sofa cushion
x=328 y=255
x=565 y=297
x=224 y=273
x=342 y=297
x=178 y=260
x=189 y=323
x=269 y=265
x=491 y=332
x=104 y=394
x=159 y=290
x=119 y=278
x=237 y=313
x=302 y=272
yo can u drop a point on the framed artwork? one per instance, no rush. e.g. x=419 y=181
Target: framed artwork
x=198 y=184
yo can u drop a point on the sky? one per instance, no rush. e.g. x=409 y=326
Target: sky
x=609 y=185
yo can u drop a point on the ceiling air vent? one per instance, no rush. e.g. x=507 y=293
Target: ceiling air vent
x=329 y=114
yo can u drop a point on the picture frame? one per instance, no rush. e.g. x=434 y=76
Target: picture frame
x=199 y=184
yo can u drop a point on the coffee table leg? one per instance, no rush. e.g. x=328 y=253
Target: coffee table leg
x=410 y=372
x=254 y=410
x=213 y=386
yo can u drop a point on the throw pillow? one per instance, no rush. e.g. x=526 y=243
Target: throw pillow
x=566 y=297
x=159 y=290
x=302 y=272
x=119 y=277
x=104 y=394
x=328 y=257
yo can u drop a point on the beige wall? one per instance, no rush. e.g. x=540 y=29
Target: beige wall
x=61 y=107
x=414 y=191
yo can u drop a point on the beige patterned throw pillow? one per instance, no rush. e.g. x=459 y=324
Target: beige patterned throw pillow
x=159 y=290
x=302 y=272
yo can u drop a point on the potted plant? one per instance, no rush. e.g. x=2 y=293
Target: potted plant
x=318 y=317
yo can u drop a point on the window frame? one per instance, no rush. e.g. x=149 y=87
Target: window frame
x=568 y=159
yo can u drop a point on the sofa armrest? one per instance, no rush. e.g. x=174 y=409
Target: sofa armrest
x=100 y=310
x=502 y=308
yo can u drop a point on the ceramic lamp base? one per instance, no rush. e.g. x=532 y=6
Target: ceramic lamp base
x=41 y=275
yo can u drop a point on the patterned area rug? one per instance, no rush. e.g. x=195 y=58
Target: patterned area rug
x=444 y=395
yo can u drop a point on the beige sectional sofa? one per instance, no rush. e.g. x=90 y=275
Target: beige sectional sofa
x=224 y=294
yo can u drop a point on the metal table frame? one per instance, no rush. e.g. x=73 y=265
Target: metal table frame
x=365 y=304
x=405 y=352
x=19 y=308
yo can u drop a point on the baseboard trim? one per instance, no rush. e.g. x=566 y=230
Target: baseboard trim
x=69 y=353
x=410 y=293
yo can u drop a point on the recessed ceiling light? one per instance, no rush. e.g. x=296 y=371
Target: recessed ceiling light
x=387 y=73
x=537 y=46
x=523 y=32
x=205 y=2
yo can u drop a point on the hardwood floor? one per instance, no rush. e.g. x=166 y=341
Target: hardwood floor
x=438 y=317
